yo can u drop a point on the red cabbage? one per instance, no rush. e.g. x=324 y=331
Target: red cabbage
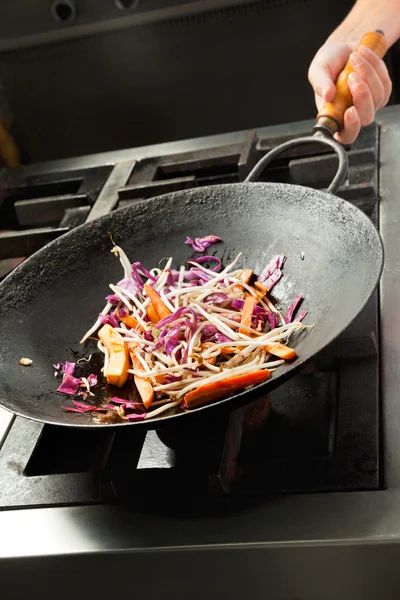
x=143 y=270
x=171 y=378
x=170 y=278
x=238 y=304
x=113 y=299
x=196 y=273
x=201 y=244
x=136 y=416
x=273 y=320
x=128 y=284
x=175 y=275
x=210 y=258
x=108 y=320
x=148 y=336
x=292 y=308
x=69 y=385
x=301 y=316
x=208 y=332
x=68 y=368
x=127 y=404
x=80 y=407
x=171 y=339
x=272 y=272
x=174 y=317
x=221 y=338
x=218 y=299
x=92 y=379
x=136 y=277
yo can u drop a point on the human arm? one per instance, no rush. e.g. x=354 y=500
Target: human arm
x=370 y=84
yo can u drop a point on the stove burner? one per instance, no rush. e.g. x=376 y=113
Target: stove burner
x=319 y=432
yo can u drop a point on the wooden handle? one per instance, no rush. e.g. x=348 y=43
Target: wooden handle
x=331 y=116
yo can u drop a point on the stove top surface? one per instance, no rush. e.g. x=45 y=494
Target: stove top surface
x=324 y=431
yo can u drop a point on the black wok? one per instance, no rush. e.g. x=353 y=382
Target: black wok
x=334 y=259
x=55 y=295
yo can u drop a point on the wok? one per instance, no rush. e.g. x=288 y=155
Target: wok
x=54 y=296
x=334 y=259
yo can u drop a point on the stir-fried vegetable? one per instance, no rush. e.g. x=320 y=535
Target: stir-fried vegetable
x=185 y=337
x=116 y=371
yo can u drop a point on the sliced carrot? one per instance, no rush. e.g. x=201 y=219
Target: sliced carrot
x=129 y=320
x=143 y=385
x=211 y=360
x=245 y=276
x=260 y=290
x=225 y=387
x=229 y=349
x=118 y=363
x=157 y=302
x=151 y=313
x=247 y=313
x=281 y=351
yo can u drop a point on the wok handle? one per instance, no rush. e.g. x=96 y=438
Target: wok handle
x=317 y=138
x=331 y=116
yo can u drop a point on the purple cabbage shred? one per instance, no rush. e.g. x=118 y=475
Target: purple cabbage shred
x=272 y=272
x=292 y=309
x=201 y=244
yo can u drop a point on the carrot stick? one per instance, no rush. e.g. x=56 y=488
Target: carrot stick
x=245 y=276
x=158 y=305
x=225 y=387
x=281 y=351
x=247 y=313
x=118 y=363
x=152 y=314
x=260 y=290
x=143 y=385
x=129 y=320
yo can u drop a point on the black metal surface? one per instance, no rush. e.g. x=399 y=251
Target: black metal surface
x=342 y=258
x=41 y=202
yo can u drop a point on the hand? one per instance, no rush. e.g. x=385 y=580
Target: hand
x=370 y=84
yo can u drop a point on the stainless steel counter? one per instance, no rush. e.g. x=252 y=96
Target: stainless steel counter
x=292 y=547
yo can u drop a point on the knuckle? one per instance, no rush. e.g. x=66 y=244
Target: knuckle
x=367 y=120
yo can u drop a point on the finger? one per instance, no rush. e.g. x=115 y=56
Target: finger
x=381 y=69
x=319 y=102
x=352 y=126
x=362 y=99
x=368 y=73
x=320 y=77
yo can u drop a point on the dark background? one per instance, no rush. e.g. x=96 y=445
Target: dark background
x=225 y=70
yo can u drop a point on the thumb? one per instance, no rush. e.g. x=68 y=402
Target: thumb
x=326 y=66
x=321 y=80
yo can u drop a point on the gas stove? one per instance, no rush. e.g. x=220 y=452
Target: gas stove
x=309 y=469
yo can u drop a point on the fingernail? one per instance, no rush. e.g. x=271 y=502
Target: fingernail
x=351 y=114
x=356 y=60
x=325 y=92
x=364 y=50
x=353 y=79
